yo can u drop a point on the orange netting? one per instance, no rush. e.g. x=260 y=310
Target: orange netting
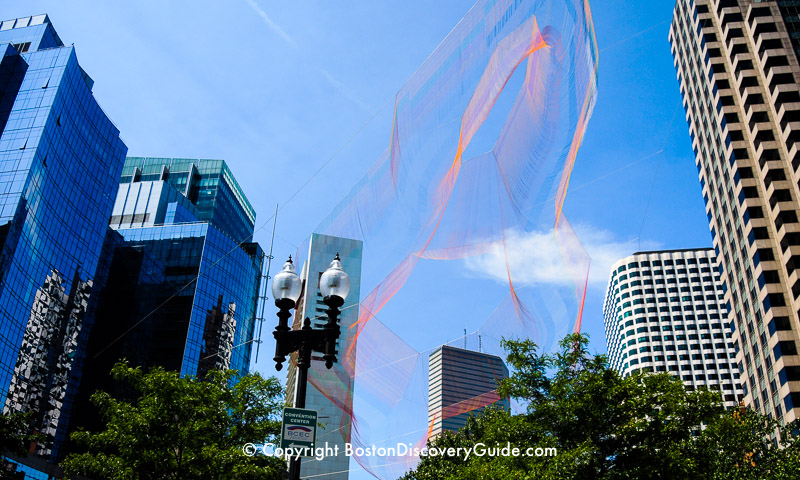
x=483 y=141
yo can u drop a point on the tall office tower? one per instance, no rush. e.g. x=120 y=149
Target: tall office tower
x=330 y=392
x=205 y=187
x=460 y=383
x=182 y=279
x=737 y=64
x=664 y=312
x=177 y=220
x=60 y=160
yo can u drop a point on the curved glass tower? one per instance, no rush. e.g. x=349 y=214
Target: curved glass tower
x=60 y=160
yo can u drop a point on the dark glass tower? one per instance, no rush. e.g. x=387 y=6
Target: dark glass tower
x=183 y=278
x=60 y=160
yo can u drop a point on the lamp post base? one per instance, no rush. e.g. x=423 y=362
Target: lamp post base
x=303 y=362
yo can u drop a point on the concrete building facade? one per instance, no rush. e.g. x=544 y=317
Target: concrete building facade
x=461 y=383
x=737 y=65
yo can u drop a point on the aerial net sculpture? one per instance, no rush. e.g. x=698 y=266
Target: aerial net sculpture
x=483 y=140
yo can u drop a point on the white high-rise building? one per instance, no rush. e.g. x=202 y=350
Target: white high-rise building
x=664 y=312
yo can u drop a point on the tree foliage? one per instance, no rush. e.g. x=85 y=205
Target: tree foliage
x=15 y=436
x=181 y=428
x=609 y=427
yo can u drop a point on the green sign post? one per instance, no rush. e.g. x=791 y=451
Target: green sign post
x=299 y=430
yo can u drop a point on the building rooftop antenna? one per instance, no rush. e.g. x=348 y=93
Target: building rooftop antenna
x=263 y=296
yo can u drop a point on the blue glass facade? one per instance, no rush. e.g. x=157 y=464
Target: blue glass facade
x=191 y=325
x=174 y=282
x=208 y=184
x=191 y=218
x=180 y=292
x=60 y=161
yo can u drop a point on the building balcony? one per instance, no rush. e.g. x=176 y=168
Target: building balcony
x=781 y=82
x=740 y=57
x=732 y=42
x=771 y=185
x=760 y=132
x=748 y=72
x=732 y=30
x=743 y=82
x=723 y=91
x=755 y=11
x=790 y=134
x=765 y=40
x=778 y=77
x=792 y=277
x=788 y=251
x=753 y=95
x=783 y=228
x=769 y=160
x=779 y=206
x=737 y=144
x=794 y=157
x=785 y=109
x=731 y=16
x=760 y=26
x=750 y=112
x=787 y=91
x=789 y=111
x=750 y=202
x=774 y=58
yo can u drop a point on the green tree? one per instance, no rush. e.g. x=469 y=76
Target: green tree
x=15 y=436
x=15 y=439
x=741 y=445
x=181 y=428
x=605 y=426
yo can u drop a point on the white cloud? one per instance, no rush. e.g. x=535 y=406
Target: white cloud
x=536 y=257
x=272 y=25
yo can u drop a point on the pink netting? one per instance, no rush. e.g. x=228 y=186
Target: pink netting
x=518 y=78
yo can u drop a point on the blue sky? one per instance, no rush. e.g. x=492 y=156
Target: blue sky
x=280 y=89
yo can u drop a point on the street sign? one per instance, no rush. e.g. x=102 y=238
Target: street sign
x=299 y=430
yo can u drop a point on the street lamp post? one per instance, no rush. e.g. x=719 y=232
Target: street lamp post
x=334 y=285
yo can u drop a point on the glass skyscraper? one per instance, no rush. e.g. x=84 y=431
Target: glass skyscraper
x=60 y=161
x=208 y=185
x=174 y=282
x=181 y=278
x=184 y=278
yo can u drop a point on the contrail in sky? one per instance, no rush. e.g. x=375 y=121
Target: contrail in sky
x=335 y=83
x=272 y=25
